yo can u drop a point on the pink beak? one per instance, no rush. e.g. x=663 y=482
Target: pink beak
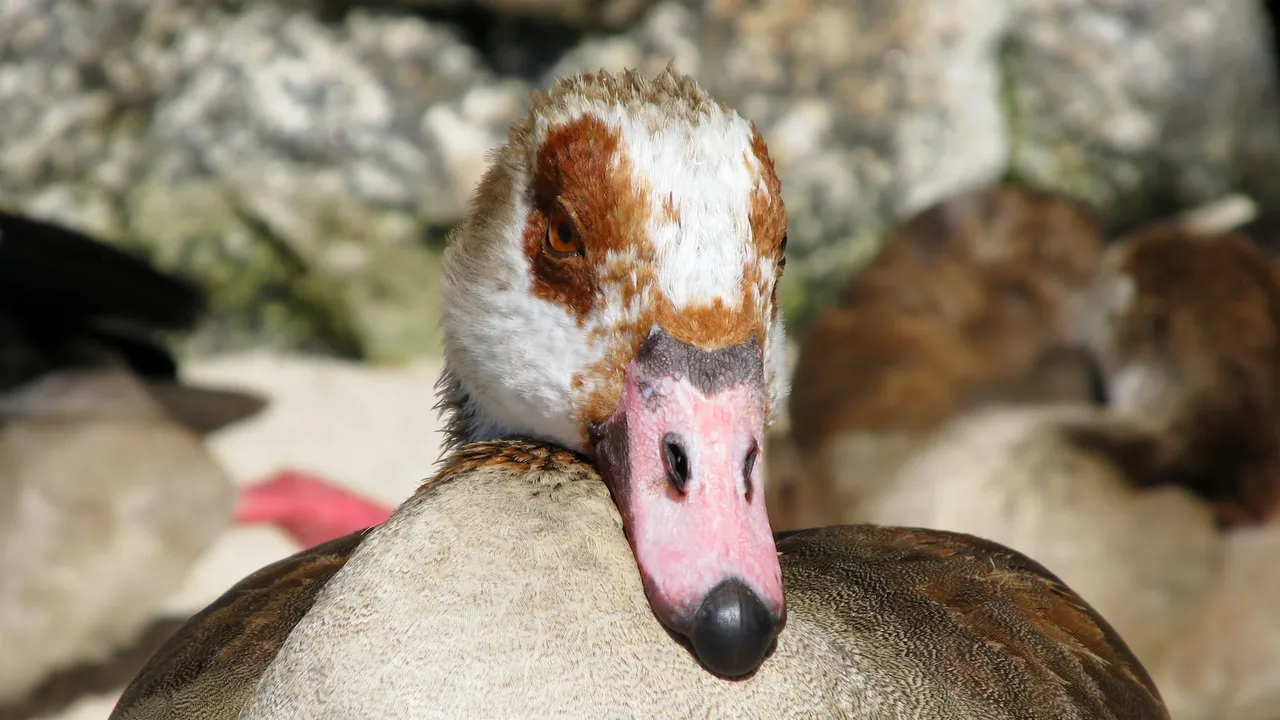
x=682 y=457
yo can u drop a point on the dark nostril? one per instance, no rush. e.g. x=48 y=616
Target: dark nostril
x=675 y=460
x=732 y=630
x=748 y=465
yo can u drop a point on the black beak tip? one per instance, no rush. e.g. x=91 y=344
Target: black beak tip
x=732 y=630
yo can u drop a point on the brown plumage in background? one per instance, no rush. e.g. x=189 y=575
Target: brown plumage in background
x=1186 y=329
x=970 y=302
x=999 y=270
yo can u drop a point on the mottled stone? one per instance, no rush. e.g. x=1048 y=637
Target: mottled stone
x=1136 y=105
x=296 y=167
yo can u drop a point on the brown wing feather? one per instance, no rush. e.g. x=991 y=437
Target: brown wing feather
x=998 y=628
x=211 y=665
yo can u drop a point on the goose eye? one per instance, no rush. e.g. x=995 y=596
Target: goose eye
x=563 y=239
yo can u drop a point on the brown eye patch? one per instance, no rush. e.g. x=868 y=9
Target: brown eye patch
x=581 y=184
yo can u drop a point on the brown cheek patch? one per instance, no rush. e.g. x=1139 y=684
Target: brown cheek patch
x=768 y=216
x=768 y=222
x=580 y=165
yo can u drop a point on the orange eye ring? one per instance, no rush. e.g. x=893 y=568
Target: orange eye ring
x=563 y=238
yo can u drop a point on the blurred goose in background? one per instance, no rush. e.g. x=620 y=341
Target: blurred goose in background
x=108 y=494
x=971 y=302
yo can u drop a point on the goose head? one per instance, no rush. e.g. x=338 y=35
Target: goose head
x=613 y=291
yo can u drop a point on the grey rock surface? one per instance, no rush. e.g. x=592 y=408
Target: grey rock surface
x=1133 y=103
x=306 y=164
x=295 y=167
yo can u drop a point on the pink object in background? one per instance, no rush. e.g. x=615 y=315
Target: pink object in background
x=308 y=508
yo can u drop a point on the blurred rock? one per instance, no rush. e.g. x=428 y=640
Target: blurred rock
x=295 y=167
x=299 y=159
x=1134 y=104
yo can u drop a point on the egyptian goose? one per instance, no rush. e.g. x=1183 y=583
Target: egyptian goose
x=970 y=302
x=613 y=356
x=107 y=494
x=1128 y=503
